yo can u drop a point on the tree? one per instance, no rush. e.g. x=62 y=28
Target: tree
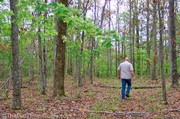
x=130 y=30
x=15 y=57
x=41 y=64
x=172 y=39
x=161 y=29
x=60 y=56
x=137 y=36
x=154 y=42
x=148 y=42
x=45 y=48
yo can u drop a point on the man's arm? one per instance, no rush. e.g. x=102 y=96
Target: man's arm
x=132 y=73
x=132 y=70
x=119 y=75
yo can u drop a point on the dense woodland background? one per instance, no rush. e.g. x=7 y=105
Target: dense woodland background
x=87 y=39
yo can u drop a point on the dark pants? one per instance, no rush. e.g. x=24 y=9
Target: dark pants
x=123 y=90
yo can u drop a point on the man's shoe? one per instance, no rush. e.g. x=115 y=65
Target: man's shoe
x=127 y=95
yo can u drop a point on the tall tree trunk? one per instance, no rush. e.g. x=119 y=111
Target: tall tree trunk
x=133 y=35
x=41 y=65
x=55 y=44
x=110 y=50
x=92 y=46
x=172 y=34
x=60 y=56
x=117 y=43
x=45 y=52
x=15 y=57
x=81 y=49
x=69 y=65
x=31 y=64
x=101 y=26
x=148 y=42
x=137 y=37
x=161 y=29
x=74 y=57
x=92 y=60
x=80 y=61
x=154 y=42
x=130 y=31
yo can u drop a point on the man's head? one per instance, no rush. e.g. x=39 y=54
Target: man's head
x=126 y=59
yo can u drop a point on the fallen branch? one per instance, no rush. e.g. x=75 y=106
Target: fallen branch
x=6 y=86
x=6 y=83
x=139 y=87
x=134 y=114
x=175 y=110
x=139 y=114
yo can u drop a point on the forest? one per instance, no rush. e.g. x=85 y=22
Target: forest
x=59 y=59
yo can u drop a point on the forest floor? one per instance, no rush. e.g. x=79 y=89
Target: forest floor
x=94 y=102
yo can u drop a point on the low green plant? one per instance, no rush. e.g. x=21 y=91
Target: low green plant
x=106 y=105
x=155 y=107
x=31 y=99
x=151 y=99
x=168 y=87
x=41 y=109
x=78 y=95
x=94 y=116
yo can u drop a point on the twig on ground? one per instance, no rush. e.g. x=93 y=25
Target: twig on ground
x=134 y=114
x=175 y=110
x=139 y=87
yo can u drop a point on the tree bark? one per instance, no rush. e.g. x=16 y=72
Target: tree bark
x=80 y=62
x=110 y=50
x=172 y=37
x=45 y=48
x=15 y=57
x=130 y=31
x=92 y=47
x=92 y=60
x=31 y=64
x=148 y=42
x=60 y=56
x=41 y=64
x=133 y=36
x=102 y=14
x=137 y=37
x=161 y=29
x=154 y=42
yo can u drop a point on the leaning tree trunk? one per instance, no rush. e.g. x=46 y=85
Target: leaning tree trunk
x=133 y=35
x=15 y=57
x=103 y=13
x=154 y=42
x=172 y=34
x=60 y=56
x=161 y=29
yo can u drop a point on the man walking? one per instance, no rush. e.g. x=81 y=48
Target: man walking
x=125 y=72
